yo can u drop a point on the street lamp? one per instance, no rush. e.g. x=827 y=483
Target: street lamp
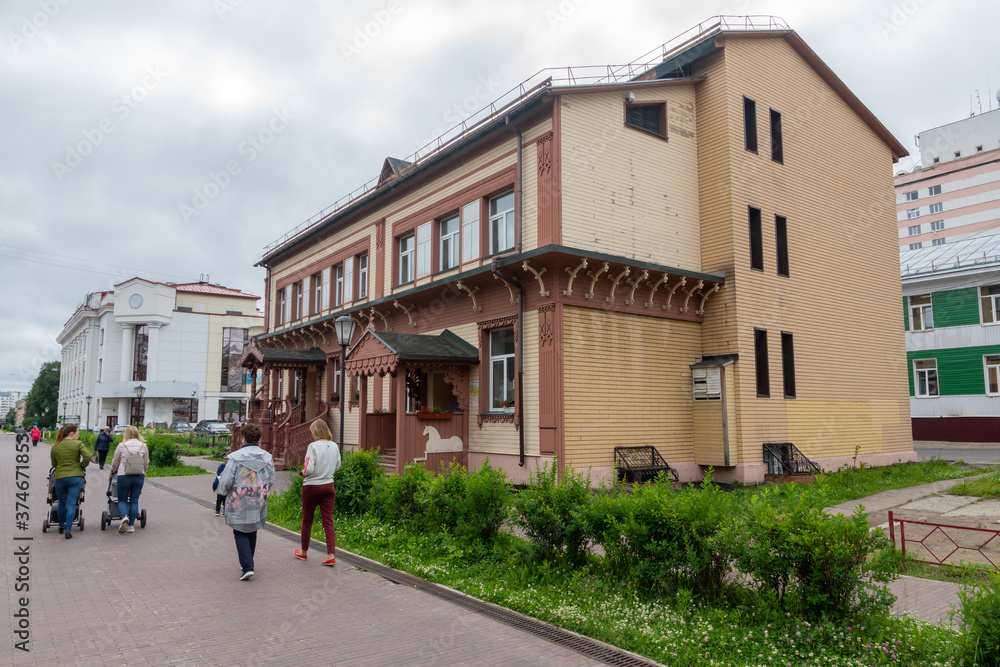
x=344 y=326
x=139 y=392
x=65 y=405
x=89 y=399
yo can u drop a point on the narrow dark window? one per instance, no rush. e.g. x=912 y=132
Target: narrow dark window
x=781 y=240
x=650 y=118
x=760 y=362
x=750 y=124
x=788 y=364
x=756 y=239
x=777 y=149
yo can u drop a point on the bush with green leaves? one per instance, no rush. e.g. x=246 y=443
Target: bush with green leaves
x=357 y=481
x=403 y=497
x=162 y=454
x=979 y=607
x=471 y=506
x=555 y=513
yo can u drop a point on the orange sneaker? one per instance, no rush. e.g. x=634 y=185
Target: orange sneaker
x=330 y=561
x=300 y=555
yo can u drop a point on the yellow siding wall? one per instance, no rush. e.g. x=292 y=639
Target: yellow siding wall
x=708 y=433
x=627 y=383
x=841 y=302
x=626 y=192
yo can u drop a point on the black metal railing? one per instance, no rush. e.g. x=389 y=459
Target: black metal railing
x=641 y=464
x=784 y=458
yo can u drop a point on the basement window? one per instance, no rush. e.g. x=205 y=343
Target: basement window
x=647 y=117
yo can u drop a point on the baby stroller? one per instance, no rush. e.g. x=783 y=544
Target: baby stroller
x=112 y=513
x=52 y=518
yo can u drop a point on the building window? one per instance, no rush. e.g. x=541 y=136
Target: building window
x=916 y=246
x=913 y=230
x=707 y=384
x=926 y=377
x=992 y=364
x=958 y=153
x=650 y=118
x=406 y=247
x=911 y=196
x=470 y=231
x=232 y=410
x=937 y=208
x=141 y=350
x=937 y=226
x=233 y=377
x=989 y=299
x=760 y=363
x=933 y=190
x=449 y=242
x=921 y=313
x=502 y=223
x=424 y=250
x=316 y=303
x=279 y=317
x=348 y=280
x=777 y=149
x=937 y=242
x=912 y=213
x=100 y=370
x=338 y=285
x=298 y=301
x=781 y=241
x=750 y=124
x=756 y=239
x=102 y=336
x=788 y=364
x=502 y=370
x=363 y=275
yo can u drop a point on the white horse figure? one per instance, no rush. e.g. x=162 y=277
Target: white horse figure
x=435 y=443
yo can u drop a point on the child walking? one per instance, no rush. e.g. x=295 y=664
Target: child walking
x=220 y=500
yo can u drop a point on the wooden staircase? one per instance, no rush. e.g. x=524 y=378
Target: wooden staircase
x=387 y=459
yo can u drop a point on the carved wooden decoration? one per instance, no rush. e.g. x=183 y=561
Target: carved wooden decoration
x=572 y=276
x=510 y=290
x=593 y=280
x=385 y=322
x=635 y=283
x=704 y=297
x=544 y=153
x=695 y=288
x=472 y=294
x=408 y=311
x=680 y=283
x=655 y=286
x=614 y=284
x=380 y=234
x=538 y=276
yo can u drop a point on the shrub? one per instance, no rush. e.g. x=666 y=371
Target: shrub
x=162 y=454
x=979 y=606
x=487 y=505
x=555 y=514
x=444 y=498
x=758 y=542
x=357 y=481
x=403 y=497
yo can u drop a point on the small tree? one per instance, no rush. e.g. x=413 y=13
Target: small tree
x=42 y=403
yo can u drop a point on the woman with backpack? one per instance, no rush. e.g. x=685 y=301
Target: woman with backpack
x=246 y=481
x=132 y=457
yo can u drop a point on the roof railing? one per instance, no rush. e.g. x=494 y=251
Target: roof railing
x=545 y=78
x=969 y=261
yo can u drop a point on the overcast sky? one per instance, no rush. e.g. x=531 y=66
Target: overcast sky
x=117 y=115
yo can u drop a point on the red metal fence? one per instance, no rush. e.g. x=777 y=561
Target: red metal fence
x=948 y=540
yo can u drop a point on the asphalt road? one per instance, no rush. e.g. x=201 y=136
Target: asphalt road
x=958 y=451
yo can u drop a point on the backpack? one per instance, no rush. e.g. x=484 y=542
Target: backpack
x=134 y=464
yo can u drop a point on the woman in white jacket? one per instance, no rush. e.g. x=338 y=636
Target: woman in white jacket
x=322 y=460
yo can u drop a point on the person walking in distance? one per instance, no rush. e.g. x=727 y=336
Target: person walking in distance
x=69 y=457
x=102 y=446
x=246 y=481
x=36 y=435
x=322 y=461
x=130 y=463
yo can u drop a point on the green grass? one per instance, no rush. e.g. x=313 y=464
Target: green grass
x=176 y=471
x=984 y=487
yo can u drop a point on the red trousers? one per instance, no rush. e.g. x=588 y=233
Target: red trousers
x=324 y=497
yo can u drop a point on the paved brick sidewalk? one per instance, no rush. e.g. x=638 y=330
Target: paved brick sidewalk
x=169 y=594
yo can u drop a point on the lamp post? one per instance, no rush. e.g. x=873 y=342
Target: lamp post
x=89 y=399
x=65 y=406
x=344 y=327
x=139 y=392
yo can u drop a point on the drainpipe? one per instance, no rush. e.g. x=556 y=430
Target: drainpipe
x=520 y=290
x=267 y=301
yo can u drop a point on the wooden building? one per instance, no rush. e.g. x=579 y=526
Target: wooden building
x=695 y=253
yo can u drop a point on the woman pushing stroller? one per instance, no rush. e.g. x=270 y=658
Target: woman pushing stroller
x=69 y=457
x=132 y=458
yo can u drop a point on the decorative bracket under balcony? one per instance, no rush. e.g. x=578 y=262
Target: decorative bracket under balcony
x=472 y=294
x=593 y=280
x=538 y=276
x=572 y=276
x=614 y=283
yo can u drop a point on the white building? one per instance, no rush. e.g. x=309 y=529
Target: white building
x=7 y=401
x=181 y=343
x=954 y=192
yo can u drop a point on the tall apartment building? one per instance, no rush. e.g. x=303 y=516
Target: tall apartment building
x=8 y=399
x=951 y=301
x=954 y=193
x=180 y=342
x=626 y=256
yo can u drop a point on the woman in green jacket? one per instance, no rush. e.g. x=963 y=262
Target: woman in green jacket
x=69 y=457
